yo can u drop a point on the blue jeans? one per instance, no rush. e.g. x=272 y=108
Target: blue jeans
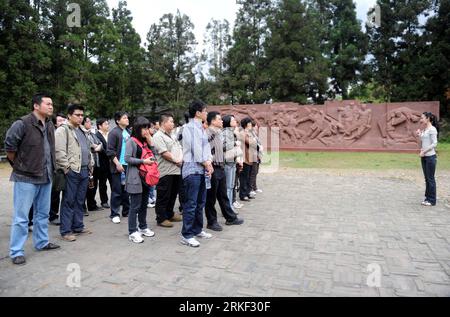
x=429 y=169
x=230 y=174
x=25 y=196
x=194 y=204
x=151 y=194
x=71 y=214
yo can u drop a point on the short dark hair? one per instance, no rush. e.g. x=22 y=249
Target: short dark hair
x=37 y=99
x=72 y=107
x=227 y=121
x=85 y=118
x=58 y=115
x=164 y=117
x=195 y=106
x=100 y=122
x=245 y=122
x=211 y=116
x=118 y=115
x=139 y=124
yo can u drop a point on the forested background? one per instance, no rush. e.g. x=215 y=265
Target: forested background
x=306 y=51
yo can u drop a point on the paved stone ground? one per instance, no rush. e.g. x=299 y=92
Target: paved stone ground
x=311 y=233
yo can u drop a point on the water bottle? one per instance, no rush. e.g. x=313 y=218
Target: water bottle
x=122 y=178
x=208 y=182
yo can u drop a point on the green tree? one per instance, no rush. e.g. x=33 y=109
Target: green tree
x=25 y=60
x=127 y=74
x=436 y=59
x=395 y=47
x=343 y=43
x=170 y=60
x=298 y=70
x=246 y=81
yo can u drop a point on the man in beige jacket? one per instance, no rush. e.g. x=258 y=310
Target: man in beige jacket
x=74 y=157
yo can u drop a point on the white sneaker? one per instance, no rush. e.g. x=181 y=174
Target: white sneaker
x=237 y=205
x=190 y=242
x=204 y=235
x=427 y=203
x=253 y=193
x=116 y=220
x=151 y=205
x=259 y=191
x=136 y=237
x=147 y=233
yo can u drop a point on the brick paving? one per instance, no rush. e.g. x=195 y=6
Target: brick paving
x=310 y=233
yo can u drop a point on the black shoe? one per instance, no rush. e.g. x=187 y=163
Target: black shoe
x=55 y=222
x=86 y=214
x=245 y=199
x=215 y=227
x=106 y=206
x=251 y=197
x=125 y=215
x=95 y=208
x=235 y=222
x=19 y=260
x=50 y=246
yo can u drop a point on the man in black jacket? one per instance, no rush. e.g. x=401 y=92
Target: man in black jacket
x=30 y=147
x=103 y=171
x=117 y=140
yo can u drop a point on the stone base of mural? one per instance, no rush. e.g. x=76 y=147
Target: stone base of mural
x=339 y=125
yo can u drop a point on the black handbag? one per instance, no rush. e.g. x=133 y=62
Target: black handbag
x=59 y=177
x=59 y=181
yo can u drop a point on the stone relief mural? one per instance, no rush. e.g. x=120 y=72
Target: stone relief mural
x=339 y=125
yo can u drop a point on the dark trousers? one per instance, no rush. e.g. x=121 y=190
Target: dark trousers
x=181 y=196
x=236 y=184
x=138 y=210
x=429 y=170
x=91 y=192
x=119 y=197
x=166 y=195
x=244 y=181
x=54 y=208
x=73 y=201
x=195 y=199
x=30 y=216
x=253 y=175
x=218 y=192
x=102 y=177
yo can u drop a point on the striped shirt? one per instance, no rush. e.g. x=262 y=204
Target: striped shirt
x=215 y=140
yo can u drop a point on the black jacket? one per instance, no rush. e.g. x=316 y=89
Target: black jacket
x=102 y=157
x=115 y=138
x=29 y=146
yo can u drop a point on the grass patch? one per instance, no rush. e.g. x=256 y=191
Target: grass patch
x=359 y=160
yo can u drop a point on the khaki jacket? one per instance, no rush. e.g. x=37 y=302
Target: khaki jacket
x=68 y=156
